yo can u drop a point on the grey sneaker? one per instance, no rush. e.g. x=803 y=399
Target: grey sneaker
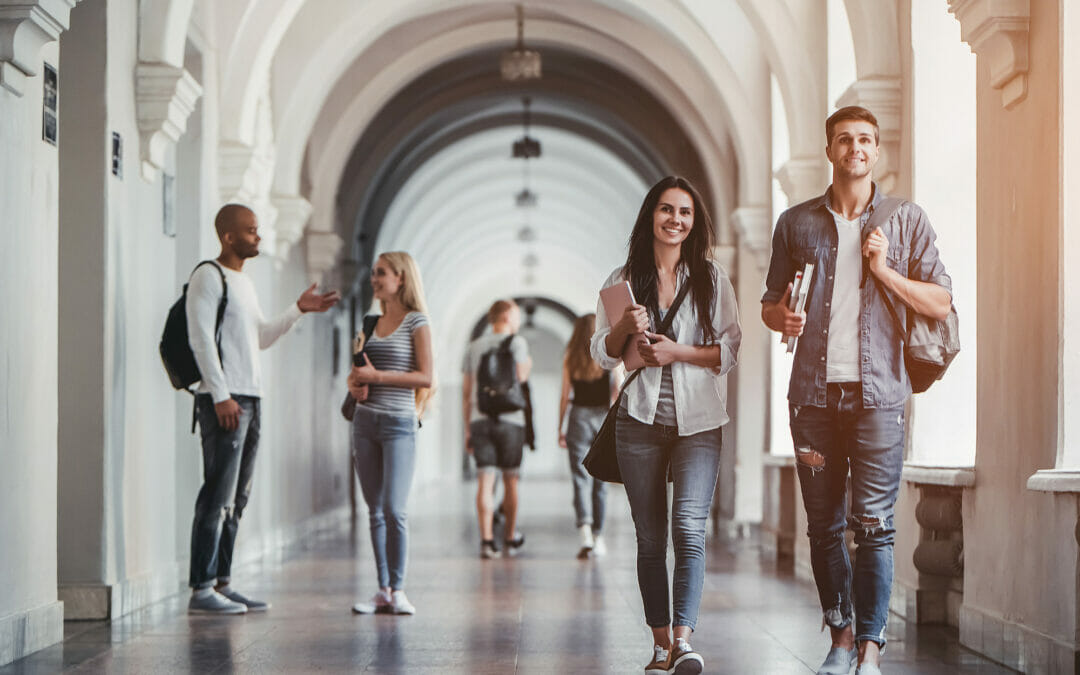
x=400 y=604
x=684 y=660
x=868 y=669
x=380 y=603
x=252 y=605
x=214 y=603
x=658 y=664
x=839 y=661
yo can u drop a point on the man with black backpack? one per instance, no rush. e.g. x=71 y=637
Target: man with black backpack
x=227 y=401
x=493 y=404
x=872 y=256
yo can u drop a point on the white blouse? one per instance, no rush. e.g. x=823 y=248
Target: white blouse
x=700 y=393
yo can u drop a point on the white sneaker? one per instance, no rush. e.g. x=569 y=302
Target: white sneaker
x=585 y=536
x=380 y=603
x=400 y=604
x=599 y=547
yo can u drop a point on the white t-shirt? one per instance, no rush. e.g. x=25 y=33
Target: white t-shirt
x=842 y=361
x=244 y=332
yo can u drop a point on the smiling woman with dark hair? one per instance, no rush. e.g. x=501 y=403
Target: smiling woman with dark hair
x=671 y=417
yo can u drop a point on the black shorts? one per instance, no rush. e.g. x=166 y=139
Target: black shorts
x=497 y=444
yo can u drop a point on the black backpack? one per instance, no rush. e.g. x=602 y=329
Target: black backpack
x=175 y=348
x=498 y=389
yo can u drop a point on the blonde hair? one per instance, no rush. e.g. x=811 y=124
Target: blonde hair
x=579 y=363
x=411 y=296
x=411 y=292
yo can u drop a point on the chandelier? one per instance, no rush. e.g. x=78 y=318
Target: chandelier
x=520 y=63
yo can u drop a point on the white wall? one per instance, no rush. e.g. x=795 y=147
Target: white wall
x=30 y=617
x=943 y=183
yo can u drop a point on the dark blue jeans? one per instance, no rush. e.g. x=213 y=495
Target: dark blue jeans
x=228 y=468
x=645 y=452
x=384 y=455
x=830 y=443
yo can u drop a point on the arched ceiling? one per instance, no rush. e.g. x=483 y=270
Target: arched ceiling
x=466 y=96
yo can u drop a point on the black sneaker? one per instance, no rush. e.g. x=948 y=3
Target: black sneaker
x=488 y=550
x=513 y=546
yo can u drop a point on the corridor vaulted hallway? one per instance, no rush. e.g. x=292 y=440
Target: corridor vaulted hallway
x=541 y=612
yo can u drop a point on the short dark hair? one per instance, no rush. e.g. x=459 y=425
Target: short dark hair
x=225 y=220
x=851 y=112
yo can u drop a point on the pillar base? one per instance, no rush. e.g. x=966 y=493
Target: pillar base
x=24 y=633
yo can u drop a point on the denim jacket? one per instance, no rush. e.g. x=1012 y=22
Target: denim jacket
x=807 y=233
x=700 y=393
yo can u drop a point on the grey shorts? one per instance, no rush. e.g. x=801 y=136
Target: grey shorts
x=497 y=444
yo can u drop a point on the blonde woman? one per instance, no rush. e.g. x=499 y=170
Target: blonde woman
x=593 y=391
x=391 y=387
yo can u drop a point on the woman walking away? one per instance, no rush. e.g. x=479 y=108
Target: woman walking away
x=671 y=417
x=391 y=386
x=593 y=391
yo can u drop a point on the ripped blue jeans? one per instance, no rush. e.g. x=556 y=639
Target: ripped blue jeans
x=830 y=443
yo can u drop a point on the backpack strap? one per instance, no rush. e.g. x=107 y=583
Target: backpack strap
x=217 y=323
x=881 y=215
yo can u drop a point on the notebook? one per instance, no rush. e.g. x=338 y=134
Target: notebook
x=615 y=300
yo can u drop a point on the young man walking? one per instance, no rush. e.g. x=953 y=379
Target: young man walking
x=227 y=402
x=848 y=381
x=496 y=441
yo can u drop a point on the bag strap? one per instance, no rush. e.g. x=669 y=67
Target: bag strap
x=368 y=326
x=881 y=215
x=664 y=325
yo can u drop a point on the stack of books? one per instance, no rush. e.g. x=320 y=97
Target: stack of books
x=800 y=289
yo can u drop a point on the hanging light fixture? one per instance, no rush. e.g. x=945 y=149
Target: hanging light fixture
x=520 y=63
x=526 y=147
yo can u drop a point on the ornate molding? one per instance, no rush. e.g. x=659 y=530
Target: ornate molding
x=293 y=213
x=883 y=96
x=803 y=178
x=25 y=27
x=322 y=253
x=753 y=226
x=165 y=97
x=998 y=31
x=235 y=180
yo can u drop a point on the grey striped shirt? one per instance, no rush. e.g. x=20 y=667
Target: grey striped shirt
x=394 y=352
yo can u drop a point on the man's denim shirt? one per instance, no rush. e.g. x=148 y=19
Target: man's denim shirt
x=807 y=233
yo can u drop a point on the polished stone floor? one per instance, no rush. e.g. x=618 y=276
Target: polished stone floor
x=542 y=612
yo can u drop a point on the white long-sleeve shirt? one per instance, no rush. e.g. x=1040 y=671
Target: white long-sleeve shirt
x=244 y=331
x=700 y=393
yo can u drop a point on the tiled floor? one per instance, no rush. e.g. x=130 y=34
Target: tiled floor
x=543 y=612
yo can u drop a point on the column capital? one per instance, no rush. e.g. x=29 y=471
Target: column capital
x=25 y=27
x=293 y=212
x=802 y=178
x=165 y=96
x=322 y=253
x=998 y=31
x=753 y=226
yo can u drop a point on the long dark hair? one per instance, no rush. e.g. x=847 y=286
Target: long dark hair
x=696 y=255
